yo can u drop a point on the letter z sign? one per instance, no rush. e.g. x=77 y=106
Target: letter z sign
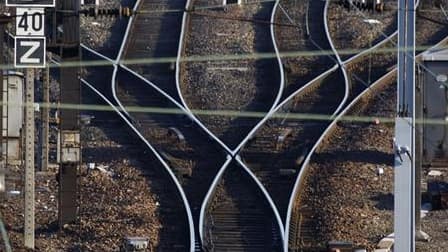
x=30 y=41
x=29 y=52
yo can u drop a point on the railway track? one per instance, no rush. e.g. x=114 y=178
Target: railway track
x=239 y=218
x=278 y=148
x=178 y=141
x=311 y=226
x=155 y=35
x=303 y=225
x=245 y=221
x=280 y=141
x=134 y=101
x=227 y=79
x=172 y=213
x=127 y=146
x=304 y=34
x=193 y=167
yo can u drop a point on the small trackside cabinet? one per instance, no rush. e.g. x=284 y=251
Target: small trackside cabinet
x=12 y=115
x=133 y=244
x=434 y=98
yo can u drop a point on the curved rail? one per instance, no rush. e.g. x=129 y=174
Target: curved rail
x=266 y=194
x=209 y=194
x=234 y=152
x=178 y=61
x=154 y=151
x=304 y=87
x=279 y=60
x=328 y=130
x=120 y=53
x=268 y=115
x=302 y=171
x=114 y=93
x=341 y=65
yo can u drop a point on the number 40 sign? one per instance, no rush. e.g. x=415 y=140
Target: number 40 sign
x=30 y=22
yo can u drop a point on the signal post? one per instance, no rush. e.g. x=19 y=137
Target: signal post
x=29 y=53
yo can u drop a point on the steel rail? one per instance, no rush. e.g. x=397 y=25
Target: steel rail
x=290 y=97
x=208 y=196
x=261 y=123
x=114 y=93
x=266 y=194
x=157 y=155
x=328 y=131
x=153 y=86
x=277 y=107
x=341 y=65
x=234 y=152
x=303 y=169
x=179 y=59
x=159 y=90
x=178 y=62
x=307 y=86
x=120 y=53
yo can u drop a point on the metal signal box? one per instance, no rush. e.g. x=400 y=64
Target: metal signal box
x=434 y=98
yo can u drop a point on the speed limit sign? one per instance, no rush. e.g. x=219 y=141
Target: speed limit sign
x=30 y=22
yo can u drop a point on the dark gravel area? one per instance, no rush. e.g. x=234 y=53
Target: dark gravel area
x=351 y=32
x=435 y=223
x=114 y=204
x=432 y=24
x=105 y=34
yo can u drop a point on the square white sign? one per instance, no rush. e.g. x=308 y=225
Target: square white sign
x=30 y=21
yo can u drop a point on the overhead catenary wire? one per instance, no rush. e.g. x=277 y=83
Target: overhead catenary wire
x=231 y=57
x=226 y=113
x=217 y=57
x=226 y=57
x=220 y=57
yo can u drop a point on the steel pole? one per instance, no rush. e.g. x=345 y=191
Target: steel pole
x=45 y=118
x=404 y=211
x=29 y=159
x=69 y=127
